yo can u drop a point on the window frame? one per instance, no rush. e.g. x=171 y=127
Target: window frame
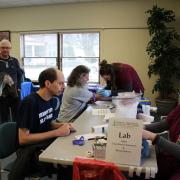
x=59 y=58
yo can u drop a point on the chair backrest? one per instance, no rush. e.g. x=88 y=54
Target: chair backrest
x=8 y=139
x=26 y=89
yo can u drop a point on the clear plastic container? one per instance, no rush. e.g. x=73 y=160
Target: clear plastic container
x=126 y=105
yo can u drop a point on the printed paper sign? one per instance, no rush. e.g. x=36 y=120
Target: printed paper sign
x=124 y=141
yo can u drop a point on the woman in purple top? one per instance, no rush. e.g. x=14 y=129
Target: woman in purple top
x=120 y=77
x=169 y=158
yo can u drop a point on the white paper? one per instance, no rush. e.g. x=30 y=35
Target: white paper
x=138 y=171
x=153 y=172
x=154 y=109
x=145 y=117
x=109 y=115
x=124 y=141
x=146 y=123
x=147 y=173
x=131 y=171
x=100 y=112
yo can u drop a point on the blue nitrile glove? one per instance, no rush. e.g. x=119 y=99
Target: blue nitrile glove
x=145 y=151
x=145 y=101
x=104 y=92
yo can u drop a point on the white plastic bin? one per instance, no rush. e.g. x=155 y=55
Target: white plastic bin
x=126 y=104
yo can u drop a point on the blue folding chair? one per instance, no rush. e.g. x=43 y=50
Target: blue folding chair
x=26 y=89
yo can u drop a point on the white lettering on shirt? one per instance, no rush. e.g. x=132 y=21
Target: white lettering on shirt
x=45 y=115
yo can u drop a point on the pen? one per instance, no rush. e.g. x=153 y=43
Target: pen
x=97 y=138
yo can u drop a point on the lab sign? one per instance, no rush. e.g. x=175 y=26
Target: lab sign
x=124 y=141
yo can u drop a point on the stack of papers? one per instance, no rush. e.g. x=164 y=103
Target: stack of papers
x=100 y=112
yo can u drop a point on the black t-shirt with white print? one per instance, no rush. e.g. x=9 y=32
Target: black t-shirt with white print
x=35 y=114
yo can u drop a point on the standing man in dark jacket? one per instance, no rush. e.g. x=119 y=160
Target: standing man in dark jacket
x=8 y=98
x=8 y=64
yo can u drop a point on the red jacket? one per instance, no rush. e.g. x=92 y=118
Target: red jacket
x=127 y=78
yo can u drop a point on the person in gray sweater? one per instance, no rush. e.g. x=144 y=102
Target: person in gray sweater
x=76 y=95
x=169 y=157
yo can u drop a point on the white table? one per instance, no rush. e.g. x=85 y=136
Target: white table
x=62 y=151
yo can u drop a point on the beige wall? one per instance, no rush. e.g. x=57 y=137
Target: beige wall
x=122 y=24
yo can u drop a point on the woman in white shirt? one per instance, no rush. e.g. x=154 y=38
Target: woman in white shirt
x=76 y=95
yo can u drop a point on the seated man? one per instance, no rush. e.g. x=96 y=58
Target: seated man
x=36 y=128
x=169 y=158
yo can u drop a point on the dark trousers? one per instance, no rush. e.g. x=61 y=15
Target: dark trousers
x=168 y=168
x=27 y=162
x=64 y=172
x=8 y=108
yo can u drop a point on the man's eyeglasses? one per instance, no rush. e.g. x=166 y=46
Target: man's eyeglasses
x=5 y=47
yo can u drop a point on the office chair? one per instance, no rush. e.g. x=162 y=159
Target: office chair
x=8 y=141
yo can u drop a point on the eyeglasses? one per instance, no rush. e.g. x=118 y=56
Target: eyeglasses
x=5 y=47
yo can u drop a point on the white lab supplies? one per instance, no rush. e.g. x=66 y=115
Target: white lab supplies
x=100 y=128
x=146 y=109
x=126 y=104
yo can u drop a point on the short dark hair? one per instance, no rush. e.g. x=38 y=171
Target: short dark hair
x=49 y=74
x=75 y=76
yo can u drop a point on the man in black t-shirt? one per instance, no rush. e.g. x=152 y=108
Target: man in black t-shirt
x=36 y=128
